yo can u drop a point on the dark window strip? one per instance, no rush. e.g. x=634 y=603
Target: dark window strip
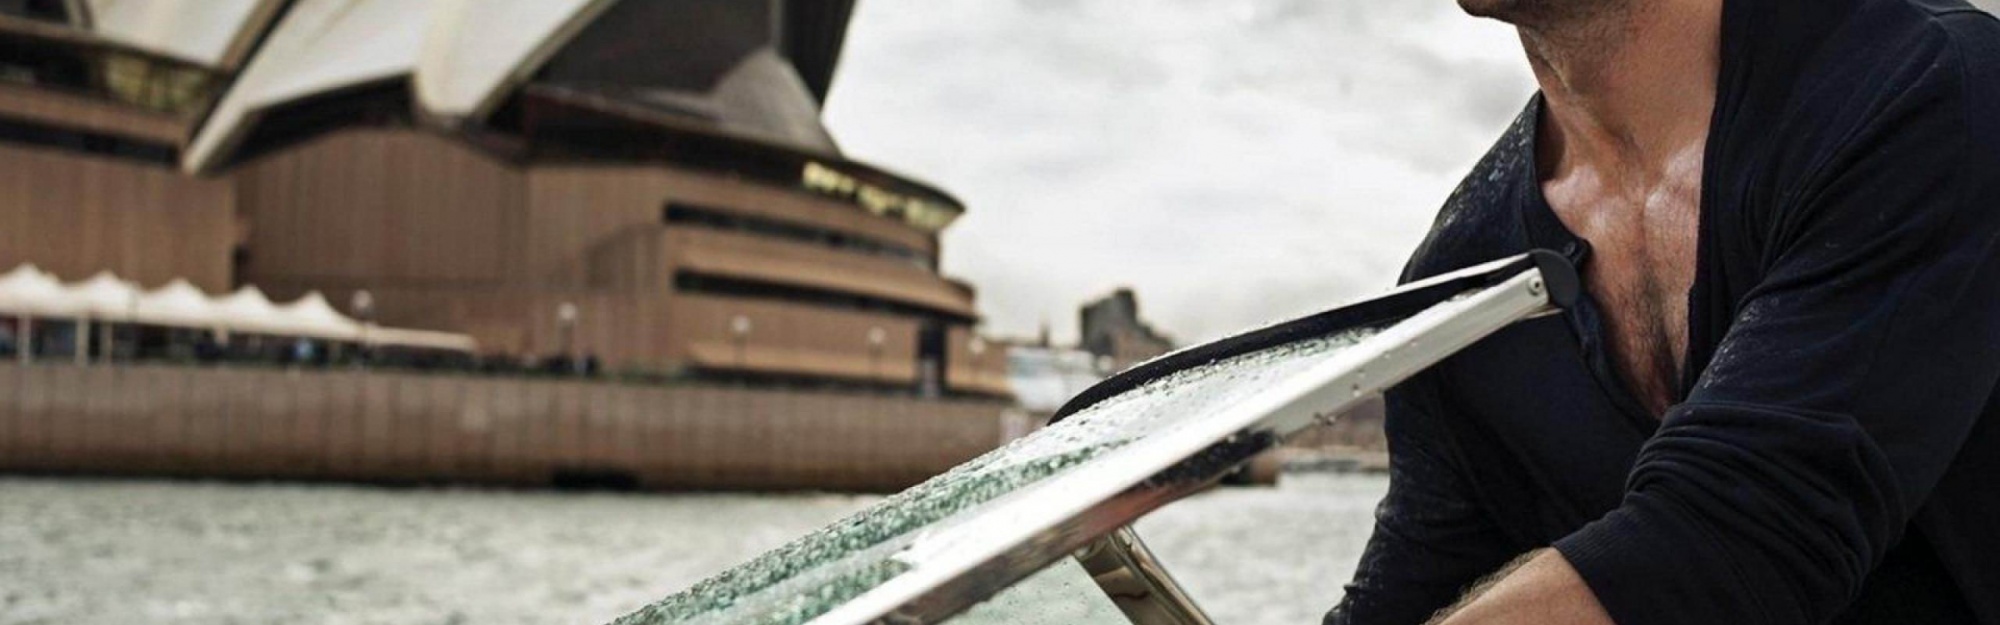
x=43 y=135
x=706 y=284
x=718 y=219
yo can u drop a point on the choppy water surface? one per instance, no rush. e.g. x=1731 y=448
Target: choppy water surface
x=807 y=577
x=88 y=552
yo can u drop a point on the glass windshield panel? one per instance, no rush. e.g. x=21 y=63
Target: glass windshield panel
x=819 y=572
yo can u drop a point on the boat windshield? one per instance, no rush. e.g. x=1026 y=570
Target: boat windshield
x=815 y=574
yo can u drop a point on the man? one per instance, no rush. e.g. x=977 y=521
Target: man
x=1778 y=403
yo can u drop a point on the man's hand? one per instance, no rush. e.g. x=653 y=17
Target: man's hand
x=1539 y=589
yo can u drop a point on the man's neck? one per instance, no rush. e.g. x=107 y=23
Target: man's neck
x=1626 y=87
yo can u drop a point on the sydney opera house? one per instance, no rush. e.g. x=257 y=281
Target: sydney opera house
x=644 y=184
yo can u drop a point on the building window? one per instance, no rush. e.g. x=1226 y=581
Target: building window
x=155 y=85
x=683 y=214
x=706 y=284
x=31 y=133
x=152 y=83
x=39 y=10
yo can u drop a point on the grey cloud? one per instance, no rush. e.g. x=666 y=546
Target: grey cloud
x=1049 y=5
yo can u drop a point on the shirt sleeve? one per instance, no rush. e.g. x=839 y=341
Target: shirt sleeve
x=1842 y=391
x=1431 y=540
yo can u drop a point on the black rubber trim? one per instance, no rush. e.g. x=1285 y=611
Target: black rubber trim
x=1558 y=275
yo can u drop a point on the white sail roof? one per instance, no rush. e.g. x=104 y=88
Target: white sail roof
x=475 y=49
x=198 y=31
x=461 y=56
x=319 y=46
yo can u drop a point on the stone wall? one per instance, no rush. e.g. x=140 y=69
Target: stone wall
x=413 y=428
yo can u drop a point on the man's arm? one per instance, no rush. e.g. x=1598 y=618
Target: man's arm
x=1537 y=589
x=1431 y=540
x=1843 y=390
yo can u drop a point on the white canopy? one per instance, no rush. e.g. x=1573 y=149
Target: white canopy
x=312 y=316
x=27 y=290
x=421 y=339
x=247 y=310
x=105 y=297
x=178 y=304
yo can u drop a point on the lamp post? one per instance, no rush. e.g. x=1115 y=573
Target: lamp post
x=566 y=314
x=876 y=337
x=80 y=342
x=364 y=309
x=24 y=341
x=739 y=327
x=131 y=325
x=978 y=349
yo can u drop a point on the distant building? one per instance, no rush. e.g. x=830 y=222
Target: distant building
x=1111 y=329
x=644 y=184
x=1044 y=376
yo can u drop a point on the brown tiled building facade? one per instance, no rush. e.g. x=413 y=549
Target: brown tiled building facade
x=664 y=205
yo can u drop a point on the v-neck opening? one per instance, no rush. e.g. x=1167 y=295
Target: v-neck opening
x=1728 y=64
x=1586 y=318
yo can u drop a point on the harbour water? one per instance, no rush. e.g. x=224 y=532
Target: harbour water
x=86 y=551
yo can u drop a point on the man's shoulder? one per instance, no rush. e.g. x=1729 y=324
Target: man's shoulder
x=1850 y=63
x=1971 y=38
x=1931 y=67
x=1908 y=25
x=1946 y=12
x=1888 y=48
x=1961 y=39
x=1480 y=220
x=1815 y=91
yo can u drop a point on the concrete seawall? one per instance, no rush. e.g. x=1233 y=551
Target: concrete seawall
x=418 y=428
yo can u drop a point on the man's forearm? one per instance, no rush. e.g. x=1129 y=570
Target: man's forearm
x=1541 y=588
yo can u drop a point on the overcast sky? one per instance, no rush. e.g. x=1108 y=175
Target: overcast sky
x=1235 y=161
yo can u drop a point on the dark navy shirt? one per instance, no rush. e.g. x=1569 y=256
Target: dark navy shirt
x=1833 y=454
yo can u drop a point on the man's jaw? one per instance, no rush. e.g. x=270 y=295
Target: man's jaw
x=1544 y=14
x=1493 y=9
